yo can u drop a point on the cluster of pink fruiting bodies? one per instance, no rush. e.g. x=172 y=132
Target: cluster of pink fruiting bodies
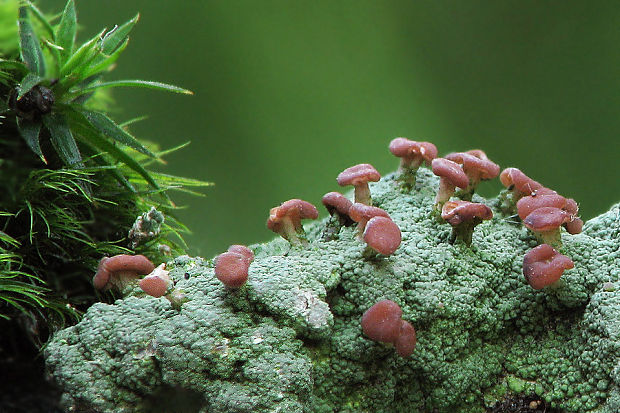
x=123 y=270
x=541 y=210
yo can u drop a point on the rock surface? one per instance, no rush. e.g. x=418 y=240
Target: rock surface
x=290 y=339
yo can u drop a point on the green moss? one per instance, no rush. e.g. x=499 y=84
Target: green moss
x=72 y=180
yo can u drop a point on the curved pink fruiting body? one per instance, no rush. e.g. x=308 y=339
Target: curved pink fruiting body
x=406 y=340
x=359 y=176
x=476 y=167
x=382 y=321
x=412 y=153
x=231 y=269
x=574 y=226
x=157 y=282
x=518 y=182
x=464 y=216
x=382 y=235
x=102 y=276
x=459 y=212
x=547 y=206
x=529 y=204
x=243 y=250
x=451 y=175
x=286 y=219
x=127 y=265
x=336 y=203
x=543 y=266
x=451 y=171
x=154 y=286
x=546 y=219
x=362 y=213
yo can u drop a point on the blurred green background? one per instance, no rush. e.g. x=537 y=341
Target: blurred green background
x=289 y=93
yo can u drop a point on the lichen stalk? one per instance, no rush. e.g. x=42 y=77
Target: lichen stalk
x=362 y=194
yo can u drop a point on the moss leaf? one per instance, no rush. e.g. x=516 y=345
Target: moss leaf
x=29 y=130
x=65 y=31
x=138 y=83
x=81 y=58
x=118 y=35
x=90 y=135
x=29 y=45
x=110 y=129
x=63 y=140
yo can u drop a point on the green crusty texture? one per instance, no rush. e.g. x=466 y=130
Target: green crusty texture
x=290 y=339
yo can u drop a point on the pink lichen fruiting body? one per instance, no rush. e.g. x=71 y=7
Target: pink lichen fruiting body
x=102 y=276
x=153 y=286
x=243 y=250
x=338 y=205
x=476 y=166
x=406 y=340
x=530 y=203
x=119 y=270
x=543 y=266
x=382 y=321
x=451 y=175
x=545 y=224
x=231 y=269
x=412 y=154
x=359 y=176
x=464 y=216
x=286 y=220
x=518 y=183
x=156 y=284
x=362 y=213
x=574 y=226
x=382 y=235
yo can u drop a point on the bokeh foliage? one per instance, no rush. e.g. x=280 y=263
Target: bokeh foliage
x=287 y=94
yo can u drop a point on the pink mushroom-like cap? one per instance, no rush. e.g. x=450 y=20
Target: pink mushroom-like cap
x=458 y=212
x=476 y=167
x=514 y=179
x=382 y=321
x=243 y=250
x=231 y=269
x=571 y=206
x=530 y=203
x=464 y=216
x=382 y=235
x=478 y=153
x=450 y=171
x=546 y=219
x=157 y=282
x=451 y=175
x=406 y=341
x=413 y=153
x=286 y=219
x=335 y=202
x=543 y=266
x=574 y=226
x=362 y=213
x=359 y=176
x=122 y=265
x=361 y=173
x=297 y=208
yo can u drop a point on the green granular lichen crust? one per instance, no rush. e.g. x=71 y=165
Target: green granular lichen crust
x=290 y=339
